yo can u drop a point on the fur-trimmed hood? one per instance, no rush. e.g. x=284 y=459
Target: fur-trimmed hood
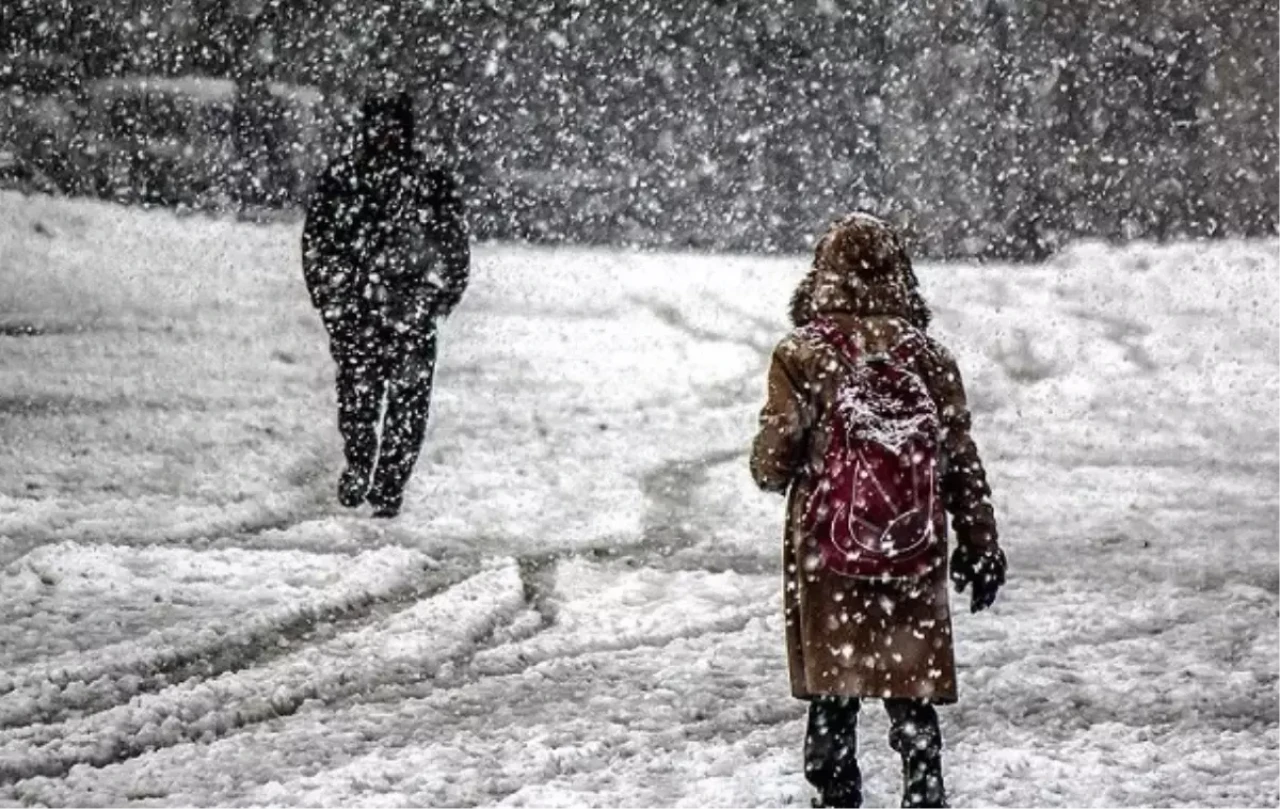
x=860 y=267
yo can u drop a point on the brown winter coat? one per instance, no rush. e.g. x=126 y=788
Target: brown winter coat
x=851 y=637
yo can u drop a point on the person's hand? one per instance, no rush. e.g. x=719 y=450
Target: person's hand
x=985 y=570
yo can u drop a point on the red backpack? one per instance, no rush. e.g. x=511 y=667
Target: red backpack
x=875 y=509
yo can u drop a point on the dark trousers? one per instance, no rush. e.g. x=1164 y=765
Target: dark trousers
x=831 y=750
x=380 y=367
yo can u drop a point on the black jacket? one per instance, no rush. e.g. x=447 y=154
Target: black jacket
x=385 y=242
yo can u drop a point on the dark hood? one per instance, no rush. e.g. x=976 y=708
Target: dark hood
x=860 y=267
x=387 y=117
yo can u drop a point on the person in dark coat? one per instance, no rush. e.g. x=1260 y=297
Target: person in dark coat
x=385 y=256
x=852 y=639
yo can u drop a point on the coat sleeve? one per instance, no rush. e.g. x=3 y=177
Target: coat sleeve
x=778 y=452
x=965 y=492
x=324 y=265
x=449 y=214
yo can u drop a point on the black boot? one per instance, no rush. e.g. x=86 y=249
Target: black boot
x=838 y=800
x=915 y=736
x=352 y=487
x=831 y=751
x=385 y=505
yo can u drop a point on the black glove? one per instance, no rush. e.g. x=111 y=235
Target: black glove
x=983 y=569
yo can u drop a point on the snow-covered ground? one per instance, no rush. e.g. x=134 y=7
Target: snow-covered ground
x=579 y=605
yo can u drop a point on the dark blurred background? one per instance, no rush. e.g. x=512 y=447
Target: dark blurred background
x=988 y=128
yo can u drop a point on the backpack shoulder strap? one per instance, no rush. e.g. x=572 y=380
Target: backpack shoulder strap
x=909 y=344
x=827 y=332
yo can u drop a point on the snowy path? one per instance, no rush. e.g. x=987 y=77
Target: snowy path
x=579 y=605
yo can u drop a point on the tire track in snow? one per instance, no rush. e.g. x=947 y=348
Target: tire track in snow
x=493 y=664
x=48 y=692
x=408 y=645
x=744 y=564
x=735 y=723
x=669 y=527
x=164 y=694
x=737 y=390
x=1125 y=333
x=670 y=521
x=596 y=670
x=197 y=526
x=171 y=680
x=671 y=315
x=489 y=661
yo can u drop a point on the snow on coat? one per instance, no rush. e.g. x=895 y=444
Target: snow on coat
x=385 y=241
x=853 y=637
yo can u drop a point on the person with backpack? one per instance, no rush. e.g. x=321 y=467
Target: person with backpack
x=385 y=255
x=866 y=430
